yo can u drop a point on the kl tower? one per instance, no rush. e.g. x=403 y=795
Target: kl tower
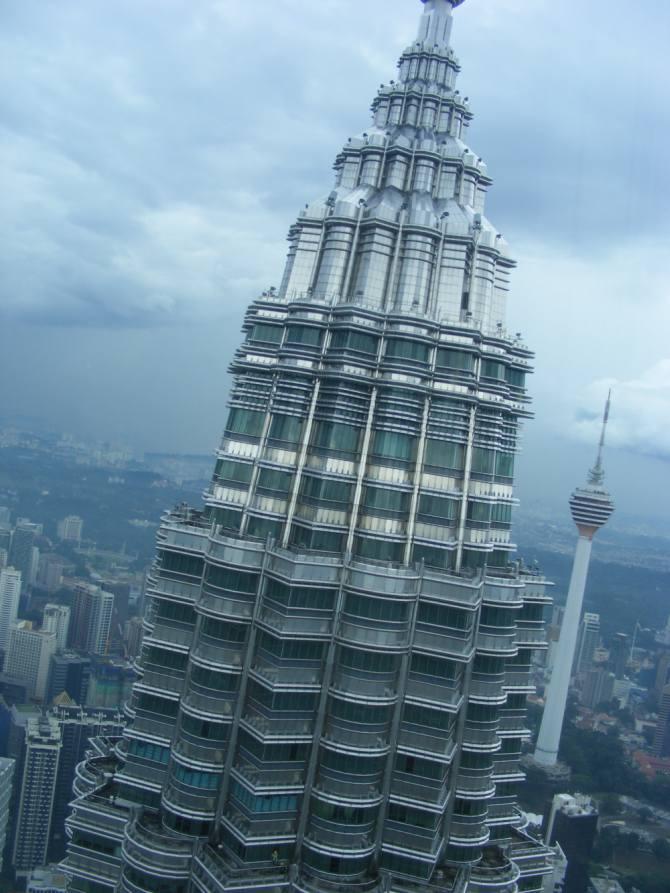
x=591 y=508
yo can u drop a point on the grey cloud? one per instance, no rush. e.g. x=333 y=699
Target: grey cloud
x=640 y=421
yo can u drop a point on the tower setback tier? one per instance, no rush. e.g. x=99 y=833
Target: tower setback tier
x=337 y=646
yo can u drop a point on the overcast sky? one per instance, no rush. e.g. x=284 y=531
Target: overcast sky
x=153 y=154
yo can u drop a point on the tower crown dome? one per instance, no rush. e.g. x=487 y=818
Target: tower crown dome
x=592 y=506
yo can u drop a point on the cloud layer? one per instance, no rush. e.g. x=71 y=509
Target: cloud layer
x=640 y=420
x=154 y=154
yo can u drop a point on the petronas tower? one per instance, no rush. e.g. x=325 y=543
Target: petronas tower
x=331 y=694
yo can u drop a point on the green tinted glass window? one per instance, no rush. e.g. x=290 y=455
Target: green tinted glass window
x=442 y=454
x=266 y=333
x=285 y=429
x=393 y=445
x=455 y=359
x=246 y=422
x=483 y=460
x=479 y=511
x=274 y=481
x=307 y=336
x=336 y=437
x=492 y=369
x=505 y=465
x=402 y=349
x=230 y=471
x=347 y=339
x=438 y=508
x=385 y=499
x=515 y=377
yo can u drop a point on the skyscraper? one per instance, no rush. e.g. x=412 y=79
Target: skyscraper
x=57 y=620
x=29 y=656
x=10 y=594
x=70 y=529
x=77 y=726
x=38 y=785
x=661 y=745
x=337 y=648
x=91 y=620
x=7 y=766
x=588 y=639
x=572 y=822
x=21 y=554
x=591 y=508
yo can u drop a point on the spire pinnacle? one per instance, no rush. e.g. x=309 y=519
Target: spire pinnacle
x=435 y=24
x=597 y=473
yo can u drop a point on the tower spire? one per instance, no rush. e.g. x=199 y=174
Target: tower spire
x=597 y=473
x=435 y=24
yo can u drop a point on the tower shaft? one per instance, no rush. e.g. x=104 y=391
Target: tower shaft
x=546 y=752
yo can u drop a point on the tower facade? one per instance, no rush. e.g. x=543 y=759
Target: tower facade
x=91 y=620
x=337 y=648
x=10 y=594
x=591 y=508
x=38 y=786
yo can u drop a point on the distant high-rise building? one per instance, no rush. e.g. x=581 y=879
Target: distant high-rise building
x=34 y=568
x=597 y=687
x=29 y=656
x=38 y=787
x=572 y=822
x=77 y=726
x=7 y=767
x=4 y=558
x=591 y=508
x=588 y=640
x=5 y=516
x=21 y=551
x=620 y=654
x=111 y=682
x=70 y=673
x=133 y=637
x=662 y=673
x=91 y=619
x=57 y=620
x=51 y=570
x=5 y=539
x=661 y=745
x=663 y=636
x=10 y=594
x=70 y=529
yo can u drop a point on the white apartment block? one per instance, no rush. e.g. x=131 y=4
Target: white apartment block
x=29 y=656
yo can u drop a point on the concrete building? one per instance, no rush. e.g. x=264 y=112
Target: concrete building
x=50 y=573
x=78 y=725
x=133 y=637
x=10 y=594
x=591 y=508
x=572 y=822
x=597 y=687
x=338 y=646
x=588 y=640
x=7 y=766
x=661 y=746
x=21 y=554
x=57 y=620
x=38 y=786
x=111 y=681
x=29 y=656
x=91 y=620
x=47 y=880
x=70 y=529
x=70 y=673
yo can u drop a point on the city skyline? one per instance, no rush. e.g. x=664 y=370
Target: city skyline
x=598 y=246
